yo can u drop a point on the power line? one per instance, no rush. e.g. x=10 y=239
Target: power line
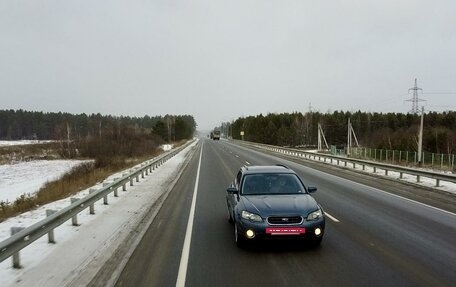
x=439 y=93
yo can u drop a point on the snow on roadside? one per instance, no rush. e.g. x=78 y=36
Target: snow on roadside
x=166 y=147
x=23 y=142
x=81 y=250
x=28 y=177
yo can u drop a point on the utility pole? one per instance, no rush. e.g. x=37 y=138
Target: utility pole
x=350 y=132
x=321 y=135
x=309 y=125
x=348 y=138
x=420 y=138
x=415 y=98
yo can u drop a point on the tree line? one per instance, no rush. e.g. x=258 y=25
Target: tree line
x=20 y=124
x=374 y=130
x=110 y=140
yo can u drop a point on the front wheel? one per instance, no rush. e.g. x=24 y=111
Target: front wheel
x=240 y=241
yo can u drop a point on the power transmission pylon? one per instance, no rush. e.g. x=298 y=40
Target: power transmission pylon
x=415 y=99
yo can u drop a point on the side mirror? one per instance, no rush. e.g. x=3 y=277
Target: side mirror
x=311 y=189
x=232 y=190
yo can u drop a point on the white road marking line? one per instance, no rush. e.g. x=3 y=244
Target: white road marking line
x=247 y=163
x=237 y=156
x=417 y=202
x=188 y=234
x=331 y=217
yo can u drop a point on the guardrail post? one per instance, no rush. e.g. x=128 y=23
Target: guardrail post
x=401 y=175
x=116 y=193
x=142 y=174
x=375 y=169
x=131 y=180
x=92 y=206
x=147 y=171
x=51 y=238
x=345 y=164
x=364 y=167
x=105 y=198
x=137 y=178
x=354 y=165
x=74 y=219
x=417 y=178
x=386 y=172
x=437 y=182
x=16 y=259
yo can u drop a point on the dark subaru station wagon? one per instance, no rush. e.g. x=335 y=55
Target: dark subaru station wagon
x=271 y=202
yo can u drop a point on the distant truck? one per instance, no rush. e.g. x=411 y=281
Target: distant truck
x=215 y=135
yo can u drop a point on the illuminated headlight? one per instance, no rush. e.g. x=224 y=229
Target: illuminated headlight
x=251 y=216
x=317 y=231
x=317 y=214
x=250 y=233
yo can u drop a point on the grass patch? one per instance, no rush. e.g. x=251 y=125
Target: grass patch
x=10 y=154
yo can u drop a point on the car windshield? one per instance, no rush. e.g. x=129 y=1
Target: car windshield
x=271 y=183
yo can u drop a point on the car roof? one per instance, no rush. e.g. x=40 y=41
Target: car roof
x=266 y=169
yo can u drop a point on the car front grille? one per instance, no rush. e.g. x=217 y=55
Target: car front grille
x=285 y=220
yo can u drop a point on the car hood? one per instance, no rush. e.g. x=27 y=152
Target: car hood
x=267 y=205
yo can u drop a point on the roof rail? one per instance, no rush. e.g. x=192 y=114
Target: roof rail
x=282 y=165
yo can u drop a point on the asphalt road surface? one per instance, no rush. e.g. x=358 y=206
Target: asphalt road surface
x=372 y=238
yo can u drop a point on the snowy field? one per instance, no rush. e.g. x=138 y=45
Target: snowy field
x=28 y=177
x=81 y=250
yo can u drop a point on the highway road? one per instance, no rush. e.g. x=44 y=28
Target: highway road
x=372 y=238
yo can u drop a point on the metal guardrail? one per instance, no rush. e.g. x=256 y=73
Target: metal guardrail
x=346 y=161
x=25 y=236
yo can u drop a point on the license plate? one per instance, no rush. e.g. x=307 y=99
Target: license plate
x=285 y=230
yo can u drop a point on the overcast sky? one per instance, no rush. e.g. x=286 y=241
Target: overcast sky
x=218 y=60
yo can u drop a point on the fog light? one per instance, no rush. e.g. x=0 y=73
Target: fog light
x=317 y=231
x=250 y=233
